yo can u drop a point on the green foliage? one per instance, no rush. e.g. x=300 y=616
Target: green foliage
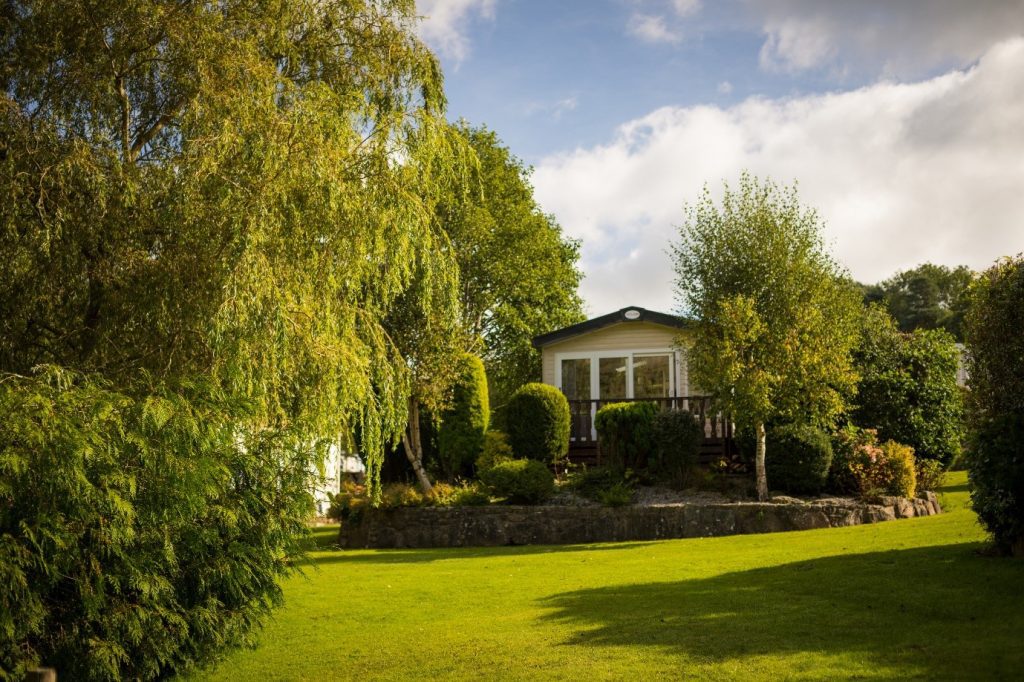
x=676 y=436
x=801 y=457
x=348 y=503
x=402 y=495
x=930 y=473
x=863 y=467
x=537 y=417
x=464 y=423
x=462 y=495
x=926 y=297
x=908 y=389
x=900 y=469
x=211 y=190
x=996 y=371
x=775 y=316
x=496 y=449
x=520 y=481
x=625 y=434
x=139 y=535
x=618 y=494
x=518 y=272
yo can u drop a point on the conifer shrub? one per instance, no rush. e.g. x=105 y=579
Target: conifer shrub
x=140 y=536
x=625 y=434
x=676 y=436
x=538 y=423
x=799 y=459
x=520 y=481
x=496 y=449
x=460 y=438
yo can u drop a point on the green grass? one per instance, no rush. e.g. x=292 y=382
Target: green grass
x=909 y=598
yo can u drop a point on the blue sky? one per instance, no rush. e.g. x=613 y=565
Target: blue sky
x=899 y=120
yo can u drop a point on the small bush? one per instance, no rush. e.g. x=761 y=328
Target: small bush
x=464 y=495
x=348 y=504
x=460 y=438
x=929 y=474
x=862 y=467
x=900 y=473
x=798 y=459
x=677 y=436
x=618 y=495
x=538 y=423
x=496 y=449
x=402 y=495
x=589 y=482
x=521 y=481
x=624 y=434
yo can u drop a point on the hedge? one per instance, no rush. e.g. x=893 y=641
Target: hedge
x=520 y=481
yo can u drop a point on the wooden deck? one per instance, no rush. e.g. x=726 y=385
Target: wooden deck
x=717 y=446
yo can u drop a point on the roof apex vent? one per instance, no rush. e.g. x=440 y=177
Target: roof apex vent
x=631 y=314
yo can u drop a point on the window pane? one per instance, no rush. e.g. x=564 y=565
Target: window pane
x=613 y=378
x=652 y=376
x=576 y=379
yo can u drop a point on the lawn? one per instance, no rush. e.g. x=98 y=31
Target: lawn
x=909 y=598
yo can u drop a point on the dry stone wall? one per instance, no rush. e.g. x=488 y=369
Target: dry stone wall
x=417 y=527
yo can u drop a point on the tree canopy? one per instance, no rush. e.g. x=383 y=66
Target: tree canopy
x=926 y=297
x=211 y=189
x=518 y=272
x=775 y=315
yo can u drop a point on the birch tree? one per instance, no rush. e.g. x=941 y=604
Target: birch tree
x=776 y=317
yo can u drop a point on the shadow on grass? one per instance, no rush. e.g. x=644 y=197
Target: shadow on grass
x=942 y=612
x=415 y=556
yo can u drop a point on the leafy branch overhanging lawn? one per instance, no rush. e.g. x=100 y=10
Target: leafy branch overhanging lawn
x=900 y=599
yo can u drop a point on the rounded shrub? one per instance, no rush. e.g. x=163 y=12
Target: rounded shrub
x=900 y=472
x=798 y=459
x=538 y=423
x=520 y=481
x=463 y=425
x=624 y=434
x=676 y=437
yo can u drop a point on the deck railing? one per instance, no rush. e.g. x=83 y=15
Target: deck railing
x=717 y=426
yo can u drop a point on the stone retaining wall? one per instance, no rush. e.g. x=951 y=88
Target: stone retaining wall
x=550 y=525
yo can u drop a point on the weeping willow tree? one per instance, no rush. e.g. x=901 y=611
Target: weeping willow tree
x=235 y=189
x=209 y=210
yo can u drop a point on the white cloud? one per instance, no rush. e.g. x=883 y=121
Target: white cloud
x=651 y=28
x=904 y=38
x=685 y=8
x=900 y=173
x=724 y=88
x=445 y=24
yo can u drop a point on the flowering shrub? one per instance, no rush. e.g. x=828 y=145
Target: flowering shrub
x=862 y=467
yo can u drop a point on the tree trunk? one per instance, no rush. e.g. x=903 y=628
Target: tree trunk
x=414 y=446
x=762 y=479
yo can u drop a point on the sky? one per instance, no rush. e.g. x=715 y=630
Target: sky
x=902 y=123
